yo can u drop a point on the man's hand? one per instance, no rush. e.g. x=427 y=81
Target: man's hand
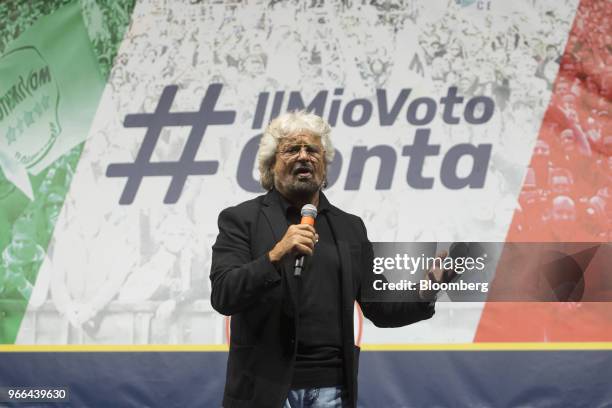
x=437 y=274
x=299 y=239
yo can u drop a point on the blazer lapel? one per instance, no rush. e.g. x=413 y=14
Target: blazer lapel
x=273 y=212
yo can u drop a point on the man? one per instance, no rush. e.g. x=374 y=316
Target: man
x=292 y=337
x=22 y=259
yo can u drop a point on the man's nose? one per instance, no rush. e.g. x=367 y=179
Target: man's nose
x=303 y=154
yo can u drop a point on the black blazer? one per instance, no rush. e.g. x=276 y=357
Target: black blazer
x=247 y=286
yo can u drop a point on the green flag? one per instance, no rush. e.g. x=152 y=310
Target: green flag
x=50 y=86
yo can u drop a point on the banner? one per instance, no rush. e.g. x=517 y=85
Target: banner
x=125 y=129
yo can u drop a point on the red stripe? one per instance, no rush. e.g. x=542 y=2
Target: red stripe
x=567 y=193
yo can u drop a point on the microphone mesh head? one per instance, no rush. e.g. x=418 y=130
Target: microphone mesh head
x=309 y=210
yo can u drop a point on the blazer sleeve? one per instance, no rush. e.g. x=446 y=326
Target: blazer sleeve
x=238 y=280
x=387 y=313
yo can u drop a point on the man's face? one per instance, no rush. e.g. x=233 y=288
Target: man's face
x=300 y=167
x=24 y=247
x=564 y=211
x=568 y=142
x=254 y=65
x=561 y=184
x=562 y=88
x=568 y=101
x=53 y=207
x=455 y=50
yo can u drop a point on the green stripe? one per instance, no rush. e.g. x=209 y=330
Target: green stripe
x=37 y=34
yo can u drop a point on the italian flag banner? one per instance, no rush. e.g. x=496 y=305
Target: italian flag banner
x=127 y=127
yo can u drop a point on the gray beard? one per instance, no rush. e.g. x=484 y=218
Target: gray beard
x=302 y=189
x=299 y=191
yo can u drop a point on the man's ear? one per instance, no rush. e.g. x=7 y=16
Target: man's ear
x=271 y=168
x=325 y=183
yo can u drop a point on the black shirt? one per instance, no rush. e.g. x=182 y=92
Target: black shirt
x=319 y=348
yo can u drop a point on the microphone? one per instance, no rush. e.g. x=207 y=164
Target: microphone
x=309 y=214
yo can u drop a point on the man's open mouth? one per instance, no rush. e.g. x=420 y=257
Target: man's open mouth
x=303 y=172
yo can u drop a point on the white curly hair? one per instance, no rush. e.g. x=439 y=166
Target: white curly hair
x=286 y=125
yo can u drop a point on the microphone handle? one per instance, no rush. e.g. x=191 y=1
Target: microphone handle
x=299 y=261
x=299 y=264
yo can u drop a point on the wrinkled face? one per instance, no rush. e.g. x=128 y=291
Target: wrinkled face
x=300 y=167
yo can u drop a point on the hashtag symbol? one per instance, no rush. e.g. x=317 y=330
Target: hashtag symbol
x=186 y=165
